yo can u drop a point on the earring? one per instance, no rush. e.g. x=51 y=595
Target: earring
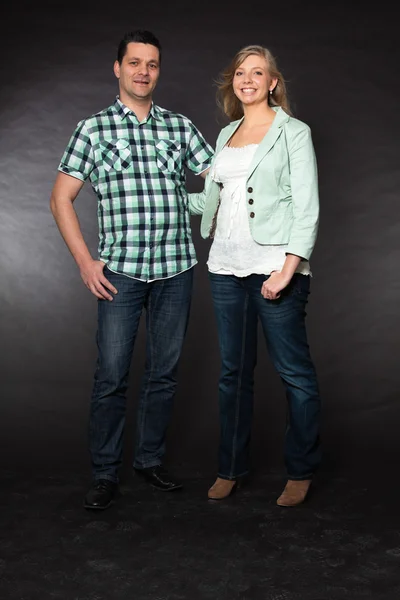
x=270 y=91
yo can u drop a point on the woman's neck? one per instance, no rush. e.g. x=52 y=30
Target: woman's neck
x=258 y=115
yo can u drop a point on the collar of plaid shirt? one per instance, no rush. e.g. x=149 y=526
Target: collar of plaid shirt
x=123 y=111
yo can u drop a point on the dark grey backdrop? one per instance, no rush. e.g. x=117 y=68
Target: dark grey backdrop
x=341 y=63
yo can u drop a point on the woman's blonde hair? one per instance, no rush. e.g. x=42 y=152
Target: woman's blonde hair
x=226 y=97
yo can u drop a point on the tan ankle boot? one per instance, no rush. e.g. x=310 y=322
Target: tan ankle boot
x=221 y=489
x=295 y=493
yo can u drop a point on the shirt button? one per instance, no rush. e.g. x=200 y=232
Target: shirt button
x=250 y=189
x=251 y=201
x=252 y=215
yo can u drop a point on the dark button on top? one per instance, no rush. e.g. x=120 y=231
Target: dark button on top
x=251 y=201
x=252 y=215
x=250 y=189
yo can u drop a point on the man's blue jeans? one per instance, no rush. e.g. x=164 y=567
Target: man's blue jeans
x=167 y=304
x=238 y=305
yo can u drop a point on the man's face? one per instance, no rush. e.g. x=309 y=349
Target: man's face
x=138 y=72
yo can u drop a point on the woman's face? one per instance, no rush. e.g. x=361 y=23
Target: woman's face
x=252 y=81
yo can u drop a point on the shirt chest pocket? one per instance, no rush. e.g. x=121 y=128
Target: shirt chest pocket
x=116 y=154
x=168 y=156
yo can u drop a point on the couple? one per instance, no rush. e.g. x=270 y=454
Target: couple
x=260 y=206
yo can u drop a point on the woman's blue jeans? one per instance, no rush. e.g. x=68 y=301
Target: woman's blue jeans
x=238 y=306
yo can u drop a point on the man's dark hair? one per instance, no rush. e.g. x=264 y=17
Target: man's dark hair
x=140 y=36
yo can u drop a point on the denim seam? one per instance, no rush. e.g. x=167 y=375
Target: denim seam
x=146 y=392
x=232 y=477
x=239 y=383
x=300 y=477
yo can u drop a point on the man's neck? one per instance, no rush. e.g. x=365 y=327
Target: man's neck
x=141 y=108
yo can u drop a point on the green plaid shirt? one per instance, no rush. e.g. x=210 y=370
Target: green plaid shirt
x=137 y=171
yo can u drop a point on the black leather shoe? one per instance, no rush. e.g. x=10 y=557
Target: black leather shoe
x=101 y=494
x=159 y=478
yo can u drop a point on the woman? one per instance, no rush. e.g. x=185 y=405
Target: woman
x=260 y=205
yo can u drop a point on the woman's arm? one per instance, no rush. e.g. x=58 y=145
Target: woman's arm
x=278 y=280
x=197 y=201
x=305 y=200
x=304 y=188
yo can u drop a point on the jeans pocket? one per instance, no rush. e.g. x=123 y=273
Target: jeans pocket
x=300 y=285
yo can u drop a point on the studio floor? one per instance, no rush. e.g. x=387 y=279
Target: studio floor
x=343 y=543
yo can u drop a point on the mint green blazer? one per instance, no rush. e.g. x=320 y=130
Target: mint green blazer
x=281 y=187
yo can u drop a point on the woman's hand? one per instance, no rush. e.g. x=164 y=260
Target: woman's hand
x=272 y=287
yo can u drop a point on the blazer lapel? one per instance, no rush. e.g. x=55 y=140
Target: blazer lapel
x=269 y=139
x=228 y=133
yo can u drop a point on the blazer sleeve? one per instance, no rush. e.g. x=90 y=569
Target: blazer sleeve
x=304 y=186
x=197 y=200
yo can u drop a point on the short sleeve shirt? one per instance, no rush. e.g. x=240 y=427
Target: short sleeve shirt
x=137 y=171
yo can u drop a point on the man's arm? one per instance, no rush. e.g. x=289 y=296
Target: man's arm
x=65 y=191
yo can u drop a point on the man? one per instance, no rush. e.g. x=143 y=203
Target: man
x=134 y=154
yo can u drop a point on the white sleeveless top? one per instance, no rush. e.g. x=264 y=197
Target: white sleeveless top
x=234 y=251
